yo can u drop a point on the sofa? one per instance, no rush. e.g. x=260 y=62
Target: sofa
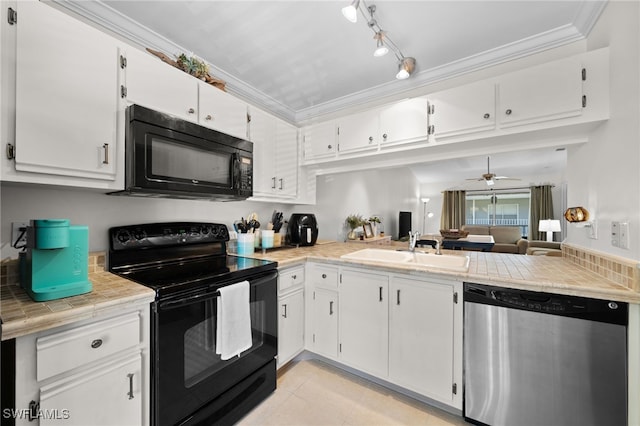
x=544 y=248
x=508 y=239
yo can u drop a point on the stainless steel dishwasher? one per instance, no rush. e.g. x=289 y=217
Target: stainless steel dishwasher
x=543 y=359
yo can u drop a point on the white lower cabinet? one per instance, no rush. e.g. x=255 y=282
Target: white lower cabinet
x=290 y=314
x=422 y=334
x=405 y=329
x=364 y=329
x=324 y=314
x=93 y=372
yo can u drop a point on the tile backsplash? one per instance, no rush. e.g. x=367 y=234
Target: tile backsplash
x=620 y=270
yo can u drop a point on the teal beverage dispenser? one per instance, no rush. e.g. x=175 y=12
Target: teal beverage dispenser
x=55 y=262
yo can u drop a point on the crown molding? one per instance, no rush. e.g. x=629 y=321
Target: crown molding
x=129 y=30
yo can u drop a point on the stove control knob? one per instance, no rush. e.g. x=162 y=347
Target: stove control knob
x=139 y=234
x=123 y=236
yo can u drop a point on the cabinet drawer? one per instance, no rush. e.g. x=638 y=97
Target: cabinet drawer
x=290 y=277
x=69 y=349
x=323 y=276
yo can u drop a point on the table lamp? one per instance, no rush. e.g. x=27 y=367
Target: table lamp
x=549 y=226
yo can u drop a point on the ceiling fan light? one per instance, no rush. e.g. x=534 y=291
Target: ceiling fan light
x=381 y=49
x=490 y=182
x=351 y=12
x=406 y=68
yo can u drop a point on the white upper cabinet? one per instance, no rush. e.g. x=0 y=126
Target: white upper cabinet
x=404 y=122
x=66 y=100
x=221 y=111
x=463 y=110
x=286 y=159
x=156 y=85
x=358 y=132
x=320 y=140
x=545 y=92
x=275 y=156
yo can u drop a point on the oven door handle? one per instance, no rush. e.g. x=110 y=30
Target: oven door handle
x=174 y=304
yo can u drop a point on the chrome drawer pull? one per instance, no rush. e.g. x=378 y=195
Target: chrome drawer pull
x=96 y=343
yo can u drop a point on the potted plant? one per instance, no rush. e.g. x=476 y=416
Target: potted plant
x=353 y=221
x=374 y=221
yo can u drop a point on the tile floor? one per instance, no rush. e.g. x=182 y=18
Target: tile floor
x=311 y=392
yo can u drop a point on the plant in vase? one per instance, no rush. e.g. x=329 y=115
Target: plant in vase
x=353 y=221
x=374 y=221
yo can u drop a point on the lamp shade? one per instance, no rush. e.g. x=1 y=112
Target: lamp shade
x=549 y=225
x=351 y=12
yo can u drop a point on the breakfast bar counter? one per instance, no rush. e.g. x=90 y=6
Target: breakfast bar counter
x=613 y=278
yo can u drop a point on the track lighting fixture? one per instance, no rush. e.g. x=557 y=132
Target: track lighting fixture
x=381 y=49
x=405 y=68
x=351 y=12
x=406 y=65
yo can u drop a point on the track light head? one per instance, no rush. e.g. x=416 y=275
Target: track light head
x=381 y=49
x=405 y=68
x=351 y=12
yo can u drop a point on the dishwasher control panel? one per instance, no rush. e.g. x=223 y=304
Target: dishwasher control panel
x=548 y=303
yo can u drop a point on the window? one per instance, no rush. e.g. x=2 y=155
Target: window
x=499 y=209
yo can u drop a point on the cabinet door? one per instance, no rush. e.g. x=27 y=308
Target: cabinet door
x=359 y=132
x=286 y=159
x=262 y=132
x=403 y=122
x=320 y=140
x=220 y=111
x=160 y=86
x=462 y=110
x=115 y=388
x=421 y=337
x=290 y=327
x=66 y=95
x=364 y=329
x=325 y=322
x=541 y=93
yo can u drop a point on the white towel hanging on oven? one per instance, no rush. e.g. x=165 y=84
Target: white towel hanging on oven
x=233 y=329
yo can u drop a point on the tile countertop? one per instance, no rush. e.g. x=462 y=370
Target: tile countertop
x=536 y=273
x=21 y=316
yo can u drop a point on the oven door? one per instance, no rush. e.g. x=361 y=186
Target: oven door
x=188 y=376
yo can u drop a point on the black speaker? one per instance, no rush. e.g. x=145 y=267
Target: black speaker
x=404 y=222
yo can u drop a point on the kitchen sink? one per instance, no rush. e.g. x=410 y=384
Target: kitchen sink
x=445 y=261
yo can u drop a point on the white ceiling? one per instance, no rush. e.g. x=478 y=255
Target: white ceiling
x=301 y=59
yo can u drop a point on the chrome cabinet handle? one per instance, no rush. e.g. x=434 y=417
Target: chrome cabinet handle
x=384 y=136
x=284 y=306
x=273 y=185
x=380 y=288
x=398 y=298
x=486 y=116
x=106 y=153
x=329 y=146
x=130 y=393
x=370 y=139
x=508 y=112
x=96 y=343
x=208 y=117
x=281 y=183
x=324 y=276
x=331 y=307
x=191 y=111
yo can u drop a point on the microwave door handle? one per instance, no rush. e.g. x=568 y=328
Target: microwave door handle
x=235 y=174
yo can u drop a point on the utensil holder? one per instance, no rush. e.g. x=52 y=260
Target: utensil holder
x=246 y=243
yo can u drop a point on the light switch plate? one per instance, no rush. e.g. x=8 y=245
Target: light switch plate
x=624 y=235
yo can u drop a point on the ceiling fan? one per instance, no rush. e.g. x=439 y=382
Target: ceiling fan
x=490 y=177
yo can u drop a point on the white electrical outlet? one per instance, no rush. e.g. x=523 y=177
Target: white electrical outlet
x=18 y=238
x=624 y=235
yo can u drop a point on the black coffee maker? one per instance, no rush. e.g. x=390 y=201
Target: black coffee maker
x=302 y=229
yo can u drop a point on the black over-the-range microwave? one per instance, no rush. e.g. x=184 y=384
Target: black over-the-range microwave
x=168 y=157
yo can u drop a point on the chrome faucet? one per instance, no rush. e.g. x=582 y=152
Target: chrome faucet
x=438 y=245
x=413 y=239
